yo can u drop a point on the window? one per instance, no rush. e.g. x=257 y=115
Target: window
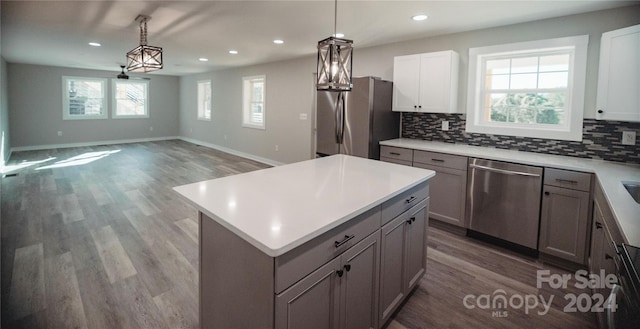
x=530 y=89
x=130 y=99
x=83 y=98
x=253 y=107
x=204 y=100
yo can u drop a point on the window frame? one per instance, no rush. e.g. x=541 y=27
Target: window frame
x=114 y=105
x=571 y=130
x=247 y=100
x=199 y=110
x=66 y=115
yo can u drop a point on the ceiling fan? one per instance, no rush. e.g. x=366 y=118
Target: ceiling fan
x=123 y=75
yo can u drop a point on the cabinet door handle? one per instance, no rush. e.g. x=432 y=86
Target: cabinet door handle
x=568 y=181
x=347 y=267
x=394 y=153
x=415 y=106
x=546 y=192
x=419 y=106
x=411 y=199
x=600 y=111
x=340 y=272
x=598 y=225
x=437 y=160
x=607 y=256
x=411 y=220
x=345 y=240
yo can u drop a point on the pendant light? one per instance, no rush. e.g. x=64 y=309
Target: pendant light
x=334 y=61
x=144 y=58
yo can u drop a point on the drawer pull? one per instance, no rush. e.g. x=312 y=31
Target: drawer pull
x=567 y=181
x=437 y=160
x=394 y=153
x=411 y=199
x=340 y=272
x=347 y=267
x=598 y=225
x=345 y=240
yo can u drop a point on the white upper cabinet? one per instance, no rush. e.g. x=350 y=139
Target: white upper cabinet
x=618 y=95
x=426 y=82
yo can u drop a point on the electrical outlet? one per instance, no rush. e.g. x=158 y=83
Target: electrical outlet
x=277 y=148
x=150 y=128
x=59 y=133
x=628 y=138
x=445 y=125
x=225 y=137
x=303 y=116
x=190 y=130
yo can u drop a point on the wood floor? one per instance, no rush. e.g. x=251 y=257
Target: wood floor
x=95 y=238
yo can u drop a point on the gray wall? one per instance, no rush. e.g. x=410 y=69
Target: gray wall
x=35 y=108
x=290 y=86
x=289 y=92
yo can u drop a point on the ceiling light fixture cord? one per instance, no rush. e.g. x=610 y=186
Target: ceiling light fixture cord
x=143 y=31
x=335 y=18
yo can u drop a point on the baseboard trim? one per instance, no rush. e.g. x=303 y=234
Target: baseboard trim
x=109 y=142
x=232 y=151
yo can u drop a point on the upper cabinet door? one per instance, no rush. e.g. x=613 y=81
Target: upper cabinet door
x=426 y=82
x=619 y=75
x=439 y=82
x=406 y=82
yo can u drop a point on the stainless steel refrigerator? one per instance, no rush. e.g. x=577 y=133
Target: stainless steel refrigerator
x=354 y=122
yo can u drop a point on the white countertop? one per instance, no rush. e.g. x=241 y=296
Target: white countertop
x=609 y=175
x=280 y=208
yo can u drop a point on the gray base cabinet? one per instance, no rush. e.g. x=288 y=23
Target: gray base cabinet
x=605 y=236
x=341 y=294
x=405 y=236
x=448 y=187
x=564 y=219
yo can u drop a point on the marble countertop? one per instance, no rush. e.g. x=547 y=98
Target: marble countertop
x=280 y=208
x=609 y=175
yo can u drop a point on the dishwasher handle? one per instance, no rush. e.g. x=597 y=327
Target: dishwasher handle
x=503 y=171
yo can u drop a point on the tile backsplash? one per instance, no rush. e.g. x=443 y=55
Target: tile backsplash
x=600 y=139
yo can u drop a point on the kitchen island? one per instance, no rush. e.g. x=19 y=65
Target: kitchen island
x=330 y=242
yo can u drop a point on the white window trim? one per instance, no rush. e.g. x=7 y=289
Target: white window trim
x=245 y=109
x=65 y=100
x=198 y=117
x=572 y=131
x=114 y=103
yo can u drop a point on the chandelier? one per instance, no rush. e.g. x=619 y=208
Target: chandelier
x=144 y=58
x=335 y=61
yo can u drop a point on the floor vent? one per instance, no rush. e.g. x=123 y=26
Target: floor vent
x=10 y=175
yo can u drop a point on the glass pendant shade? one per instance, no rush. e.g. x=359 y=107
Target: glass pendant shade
x=144 y=58
x=334 y=64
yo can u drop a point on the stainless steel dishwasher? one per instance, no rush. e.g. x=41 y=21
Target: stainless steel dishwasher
x=503 y=200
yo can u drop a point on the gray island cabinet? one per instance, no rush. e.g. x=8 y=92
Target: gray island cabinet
x=335 y=242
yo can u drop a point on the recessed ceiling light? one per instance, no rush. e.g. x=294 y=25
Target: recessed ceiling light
x=339 y=35
x=202 y=59
x=233 y=52
x=94 y=44
x=420 y=17
x=278 y=41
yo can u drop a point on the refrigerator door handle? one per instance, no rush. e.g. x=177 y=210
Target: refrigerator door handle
x=340 y=118
x=338 y=114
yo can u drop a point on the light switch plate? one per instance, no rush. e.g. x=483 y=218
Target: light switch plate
x=303 y=116
x=628 y=138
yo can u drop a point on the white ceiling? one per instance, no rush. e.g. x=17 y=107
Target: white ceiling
x=57 y=33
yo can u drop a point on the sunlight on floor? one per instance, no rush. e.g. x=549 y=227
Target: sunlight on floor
x=24 y=164
x=79 y=160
